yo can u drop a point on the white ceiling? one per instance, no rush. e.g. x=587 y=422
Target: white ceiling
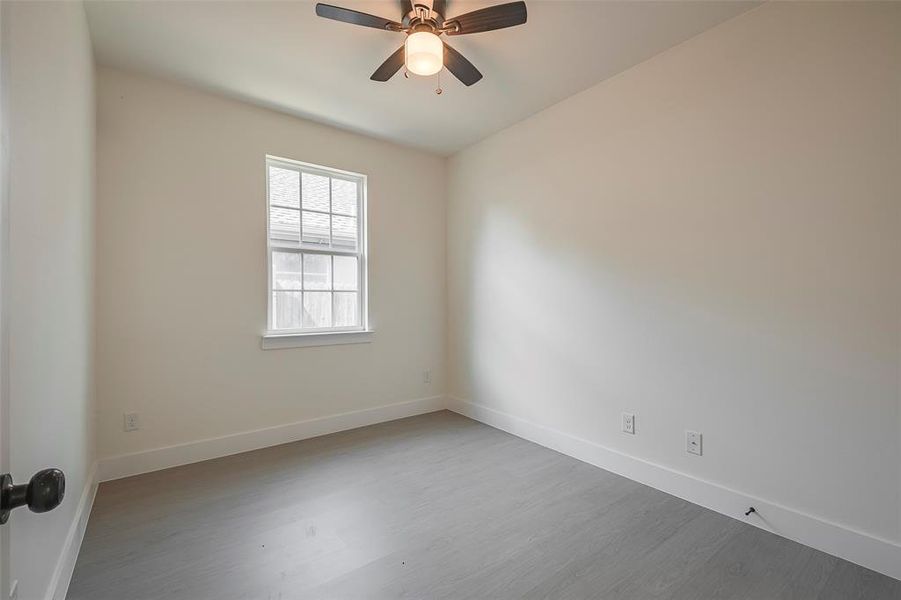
x=281 y=55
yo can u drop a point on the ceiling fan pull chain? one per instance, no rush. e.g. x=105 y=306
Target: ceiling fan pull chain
x=438 y=89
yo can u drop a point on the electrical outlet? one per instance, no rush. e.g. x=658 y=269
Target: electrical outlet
x=629 y=423
x=131 y=422
x=427 y=376
x=693 y=442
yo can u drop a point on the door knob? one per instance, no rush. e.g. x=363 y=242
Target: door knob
x=42 y=493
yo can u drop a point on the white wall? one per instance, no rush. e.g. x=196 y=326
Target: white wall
x=181 y=217
x=711 y=241
x=50 y=278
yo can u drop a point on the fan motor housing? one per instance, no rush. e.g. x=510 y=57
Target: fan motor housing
x=422 y=15
x=424 y=26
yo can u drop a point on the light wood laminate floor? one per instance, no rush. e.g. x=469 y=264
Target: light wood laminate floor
x=436 y=506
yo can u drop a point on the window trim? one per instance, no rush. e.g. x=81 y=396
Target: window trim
x=276 y=341
x=292 y=338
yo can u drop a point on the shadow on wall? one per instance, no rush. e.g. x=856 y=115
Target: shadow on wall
x=577 y=315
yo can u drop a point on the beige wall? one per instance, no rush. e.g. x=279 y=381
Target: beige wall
x=181 y=221
x=50 y=95
x=711 y=241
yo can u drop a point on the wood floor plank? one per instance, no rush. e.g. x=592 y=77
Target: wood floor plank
x=662 y=571
x=850 y=582
x=436 y=506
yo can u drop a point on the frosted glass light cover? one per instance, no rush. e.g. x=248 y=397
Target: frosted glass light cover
x=424 y=53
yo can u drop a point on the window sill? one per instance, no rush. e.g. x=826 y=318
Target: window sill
x=275 y=341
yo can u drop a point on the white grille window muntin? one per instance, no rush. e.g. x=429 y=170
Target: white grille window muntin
x=316 y=248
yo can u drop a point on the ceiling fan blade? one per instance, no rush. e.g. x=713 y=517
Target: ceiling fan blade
x=391 y=66
x=354 y=17
x=488 y=19
x=406 y=7
x=462 y=69
x=439 y=6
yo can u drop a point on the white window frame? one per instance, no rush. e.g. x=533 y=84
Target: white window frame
x=290 y=338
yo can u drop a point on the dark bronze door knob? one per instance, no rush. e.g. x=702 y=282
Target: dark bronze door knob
x=42 y=493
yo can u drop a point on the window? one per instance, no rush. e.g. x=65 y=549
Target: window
x=317 y=248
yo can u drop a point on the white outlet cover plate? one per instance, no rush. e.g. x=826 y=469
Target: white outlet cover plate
x=629 y=423
x=694 y=442
x=131 y=422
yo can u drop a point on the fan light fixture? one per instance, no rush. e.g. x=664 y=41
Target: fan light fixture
x=424 y=53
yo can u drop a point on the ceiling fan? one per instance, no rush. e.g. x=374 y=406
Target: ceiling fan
x=423 y=52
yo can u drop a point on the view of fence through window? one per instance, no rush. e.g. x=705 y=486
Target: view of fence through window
x=316 y=254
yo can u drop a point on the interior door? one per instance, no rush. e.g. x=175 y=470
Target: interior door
x=4 y=371
x=42 y=491
x=45 y=490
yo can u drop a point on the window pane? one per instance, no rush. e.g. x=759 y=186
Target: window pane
x=286 y=271
x=344 y=232
x=315 y=192
x=284 y=224
x=346 y=309
x=317 y=272
x=344 y=197
x=317 y=309
x=312 y=214
x=287 y=310
x=315 y=228
x=345 y=272
x=284 y=186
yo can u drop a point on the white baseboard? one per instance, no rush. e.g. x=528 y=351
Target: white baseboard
x=65 y=564
x=863 y=549
x=126 y=465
